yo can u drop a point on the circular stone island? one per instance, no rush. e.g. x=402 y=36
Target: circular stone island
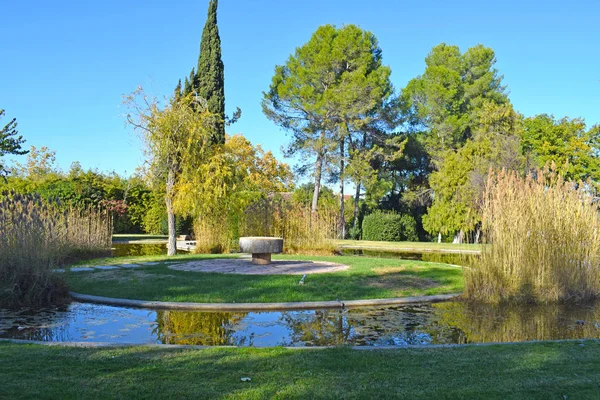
x=243 y=266
x=261 y=248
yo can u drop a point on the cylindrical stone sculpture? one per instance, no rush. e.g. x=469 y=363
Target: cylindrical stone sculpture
x=261 y=248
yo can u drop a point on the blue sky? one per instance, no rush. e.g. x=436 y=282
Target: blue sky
x=66 y=64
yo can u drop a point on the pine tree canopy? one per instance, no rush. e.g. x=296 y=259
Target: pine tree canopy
x=10 y=143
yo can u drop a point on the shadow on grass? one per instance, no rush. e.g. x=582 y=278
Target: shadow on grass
x=553 y=370
x=159 y=283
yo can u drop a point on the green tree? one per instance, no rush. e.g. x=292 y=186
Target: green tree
x=460 y=108
x=210 y=77
x=303 y=195
x=410 y=191
x=39 y=165
x=331 y=88
x=207 y=80
x=458 y=185
x=442 y=102
x=566 y=142
x=368 y=166
x=10 y=143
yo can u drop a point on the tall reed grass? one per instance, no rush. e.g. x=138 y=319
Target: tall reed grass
x=542 y=241
x=302 y=231
x=37 y=236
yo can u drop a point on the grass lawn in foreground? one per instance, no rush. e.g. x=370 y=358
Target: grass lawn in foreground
x=367 y=278
x=567 y=370
x=407 y=246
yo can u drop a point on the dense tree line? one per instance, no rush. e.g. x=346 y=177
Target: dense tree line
x=423 y=151
x=135 y=206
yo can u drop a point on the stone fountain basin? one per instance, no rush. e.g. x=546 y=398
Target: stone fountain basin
x=261 y=248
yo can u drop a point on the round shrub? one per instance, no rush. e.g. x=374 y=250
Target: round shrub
x=389 y=227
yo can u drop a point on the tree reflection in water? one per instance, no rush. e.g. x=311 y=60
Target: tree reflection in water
x=317 y=327
x=420 y=324
x=482 y=323
x=200 y=328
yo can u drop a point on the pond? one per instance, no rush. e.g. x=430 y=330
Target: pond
x=446 y=258
x=451 y=322
x=140 y=249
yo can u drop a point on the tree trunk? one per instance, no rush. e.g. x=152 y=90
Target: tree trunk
x=357 y=193
x=342 y=223
x=439 y=237
x=318 y=173
x=356 y=200
x=172 y=241
x=459 y=237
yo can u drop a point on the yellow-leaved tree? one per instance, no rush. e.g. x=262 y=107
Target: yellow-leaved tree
x=218 y=190
x=177 y=135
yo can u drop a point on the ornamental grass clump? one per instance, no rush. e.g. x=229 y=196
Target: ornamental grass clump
x=542 y=241
x=36 y=236
x=301 y=230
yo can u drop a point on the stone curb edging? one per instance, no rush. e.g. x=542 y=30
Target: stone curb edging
x=363 y=348
x=306 y=305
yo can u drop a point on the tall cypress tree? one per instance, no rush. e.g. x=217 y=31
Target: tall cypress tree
x=178 y=89
x=209 y=82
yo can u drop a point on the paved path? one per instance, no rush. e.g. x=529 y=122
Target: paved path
x=245 y=267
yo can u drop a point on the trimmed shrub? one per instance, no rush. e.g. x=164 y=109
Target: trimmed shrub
x=389 y=227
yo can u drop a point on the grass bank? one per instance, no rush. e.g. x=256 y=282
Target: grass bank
x=407 y=246
x=367 y=278
x=532 y=371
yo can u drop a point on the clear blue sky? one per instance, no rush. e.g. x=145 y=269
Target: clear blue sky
x=66 y=64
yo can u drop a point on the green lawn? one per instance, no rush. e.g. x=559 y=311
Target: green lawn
x=568 y=370
x=367 y=278
x=407 y=246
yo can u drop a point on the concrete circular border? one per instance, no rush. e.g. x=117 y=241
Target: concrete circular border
x=305 y=305
x=295 y=348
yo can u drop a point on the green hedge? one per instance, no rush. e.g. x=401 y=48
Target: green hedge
x=389 y=227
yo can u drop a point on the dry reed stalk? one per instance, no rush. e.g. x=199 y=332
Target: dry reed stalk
x=302 y=231
x=37 y=236
x=542 y=241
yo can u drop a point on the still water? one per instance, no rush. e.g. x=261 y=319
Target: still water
x=416 y=324
x=140 y=249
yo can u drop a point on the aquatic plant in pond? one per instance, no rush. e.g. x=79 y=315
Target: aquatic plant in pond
x=543 y=241
x=35 y=237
